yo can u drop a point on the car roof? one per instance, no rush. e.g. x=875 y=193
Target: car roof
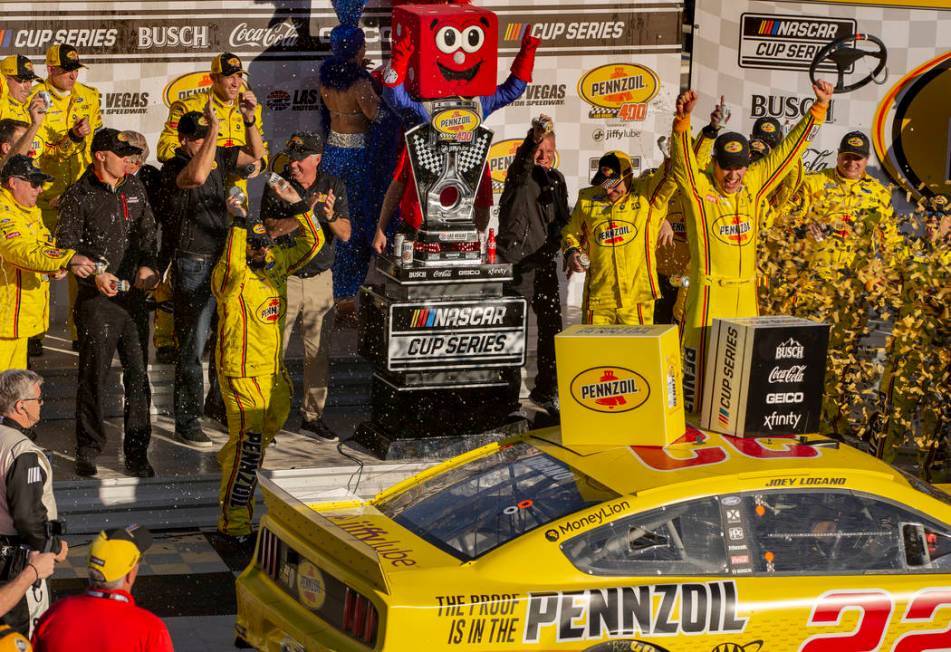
x=701 y=455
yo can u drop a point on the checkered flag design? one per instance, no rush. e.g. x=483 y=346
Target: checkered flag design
x=474 y=155
x=425 y=154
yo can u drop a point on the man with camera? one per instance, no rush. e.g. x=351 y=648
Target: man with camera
x=27 y=506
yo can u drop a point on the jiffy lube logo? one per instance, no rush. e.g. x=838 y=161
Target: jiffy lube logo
x=456 y=124
x=610 y=389
x=270 y=310
x=733 y=229
x=618 y=91
x=614 y=233
x=500 y=157
x=310 y=585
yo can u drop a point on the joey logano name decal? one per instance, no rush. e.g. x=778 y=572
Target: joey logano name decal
x=627 y=611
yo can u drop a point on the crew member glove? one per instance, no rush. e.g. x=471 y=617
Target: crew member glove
x=395 y=73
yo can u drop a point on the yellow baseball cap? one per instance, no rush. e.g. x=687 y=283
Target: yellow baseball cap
x=17 y=65
x=113 y=554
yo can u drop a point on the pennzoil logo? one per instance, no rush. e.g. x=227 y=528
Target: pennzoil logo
x=618 y=91
x=457 y=124
x=733 y=229
x=311 y=586
x=500 y=157
x=610 y=389
x=733 y=147
x=615 y=233
x=270 y=310
x=181 y=88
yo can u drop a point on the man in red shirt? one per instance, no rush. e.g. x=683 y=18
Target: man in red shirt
x=105 y=618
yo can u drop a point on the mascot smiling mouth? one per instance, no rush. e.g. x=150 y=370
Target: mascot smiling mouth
x=460 y=75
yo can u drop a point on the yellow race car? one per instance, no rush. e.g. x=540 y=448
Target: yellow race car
x=712 y=544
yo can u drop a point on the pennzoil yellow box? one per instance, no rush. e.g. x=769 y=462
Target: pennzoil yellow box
x=620 y=385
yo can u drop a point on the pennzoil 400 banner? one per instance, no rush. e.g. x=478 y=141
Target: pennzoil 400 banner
x=607 y=72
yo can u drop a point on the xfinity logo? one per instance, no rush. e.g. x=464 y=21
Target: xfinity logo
x=171 y=36
x=794 y=374
x=777 y=420
x=777 y=398
x=790 y=350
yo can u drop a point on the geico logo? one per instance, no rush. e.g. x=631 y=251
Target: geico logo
x=776 y=398
x=189 y=36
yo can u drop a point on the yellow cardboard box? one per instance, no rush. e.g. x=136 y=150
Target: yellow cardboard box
x=620 y=385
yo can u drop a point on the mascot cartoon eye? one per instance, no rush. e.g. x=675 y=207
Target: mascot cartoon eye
x=448 y=39
x=472 y=39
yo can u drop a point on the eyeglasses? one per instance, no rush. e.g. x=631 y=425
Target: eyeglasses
x=38 y=399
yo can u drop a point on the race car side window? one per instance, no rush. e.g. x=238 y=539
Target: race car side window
x=840 y=532
x=681 y=539
x=476 y=507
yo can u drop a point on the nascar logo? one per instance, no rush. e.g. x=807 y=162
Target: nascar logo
x=610 y=389
x=456 y=317
x=614 y=233
x=798 y=28
x=733 y=229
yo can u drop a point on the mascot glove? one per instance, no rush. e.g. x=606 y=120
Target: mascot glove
x=525 y=59
x=395 y=73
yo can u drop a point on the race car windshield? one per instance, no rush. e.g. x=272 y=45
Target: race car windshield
x=474 y=508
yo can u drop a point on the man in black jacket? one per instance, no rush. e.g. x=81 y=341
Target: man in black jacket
x=28 y=512
x=106 y=216
x=532 y=210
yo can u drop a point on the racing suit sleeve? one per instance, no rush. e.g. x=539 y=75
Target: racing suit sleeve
x=24 y=487
x=229 y=272
x=765 y=175
x=31 y=254
x=574 y=231
x=683 y=161
x=703 y=148
x=307 y=242
x=505 y=93
x=168 y=139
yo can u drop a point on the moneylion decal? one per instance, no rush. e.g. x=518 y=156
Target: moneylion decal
x=618 y=90
x=610 y=389
x=733 y=229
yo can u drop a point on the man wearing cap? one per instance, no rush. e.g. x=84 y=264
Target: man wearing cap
x=105 y=618
x=611 y=224
x=227 y=98
x=310 y=289
x=73 y=116
x=16 y=104
x=27 y=505
x=250 y=286
x=29 y=258
x=848 y=220
x=724 y=208
x=106 y=216
x=195 y=189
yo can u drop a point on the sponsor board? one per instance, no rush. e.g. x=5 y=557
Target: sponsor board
x=124 y=103
x=295 y=99
x=784 y=42
x=618 y=91
x=457 y=334
x=542 y=95
x=185 y=86
x=500 y=157
x=596 y=33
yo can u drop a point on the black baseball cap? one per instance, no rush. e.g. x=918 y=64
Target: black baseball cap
x=258 y=236
x=769 y=130
x=193 y=124
x=22 y=166
x=115 y=141
x=855 y=142
x=304 y=144
x=612 y=166
x=758 y=148
x=18 y=66
x=63 y=56
x=226 y=64
x=731 y=151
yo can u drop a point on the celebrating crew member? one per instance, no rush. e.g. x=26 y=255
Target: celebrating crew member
x=724 y=209
x=106 y=216
x=250 y=285
x=611 y=225
x=310 y=289
x=27 y=506
x=16 y=104
x=28 y=259
x=195 y=190
x=849 y=221
x=532 y=211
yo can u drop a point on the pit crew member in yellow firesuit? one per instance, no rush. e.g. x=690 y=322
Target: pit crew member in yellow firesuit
x=28 y=259
x=847 y=222
x=917 y=378
x=610 y=227
x=249 y=282
x=724 y=208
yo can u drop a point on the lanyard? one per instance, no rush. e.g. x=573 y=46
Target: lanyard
x=108 y=596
